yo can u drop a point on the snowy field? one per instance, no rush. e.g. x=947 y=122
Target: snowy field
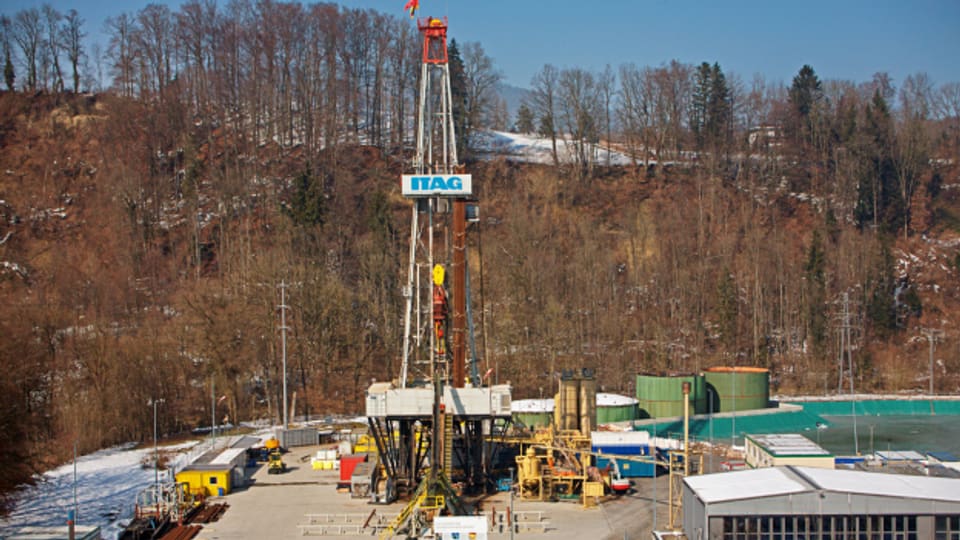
x=528 y=148
x=107 y=483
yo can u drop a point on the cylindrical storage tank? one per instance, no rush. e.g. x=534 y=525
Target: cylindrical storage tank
x=532 y=412
x=738 y=388
x=661 y=396
x=588 y=405
x=569 y=404
x=615 y=408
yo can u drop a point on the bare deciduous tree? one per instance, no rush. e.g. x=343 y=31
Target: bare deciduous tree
x=481 y=79
x=28 y=33
x=544 y=97
x=72 y=42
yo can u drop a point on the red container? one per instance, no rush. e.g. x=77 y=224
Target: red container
x=347 y=464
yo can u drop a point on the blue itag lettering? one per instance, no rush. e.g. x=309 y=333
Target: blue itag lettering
x=436 y=183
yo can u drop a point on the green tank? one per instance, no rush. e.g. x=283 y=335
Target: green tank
x=613 y=408
x=532 y=412
x=738 y=388
x=661 y=396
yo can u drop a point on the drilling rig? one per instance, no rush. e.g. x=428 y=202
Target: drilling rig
x=431 y=424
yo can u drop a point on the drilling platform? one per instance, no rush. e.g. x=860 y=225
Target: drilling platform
x=434 y=424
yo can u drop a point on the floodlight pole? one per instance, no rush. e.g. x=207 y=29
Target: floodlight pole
x=156 y=450
x=933 y=334
x=283 y=346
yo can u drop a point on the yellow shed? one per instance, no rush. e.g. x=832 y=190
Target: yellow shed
x=206 y=480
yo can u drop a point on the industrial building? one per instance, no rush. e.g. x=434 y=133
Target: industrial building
x=785 y=449
x=808 y=502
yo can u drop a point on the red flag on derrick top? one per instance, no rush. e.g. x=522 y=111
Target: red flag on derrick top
x=412 y=7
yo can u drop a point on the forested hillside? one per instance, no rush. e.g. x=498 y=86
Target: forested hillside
x=145 y=230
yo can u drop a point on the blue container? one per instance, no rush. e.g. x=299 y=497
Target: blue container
x=503 y=484
x=623 y=450
x=628 y=469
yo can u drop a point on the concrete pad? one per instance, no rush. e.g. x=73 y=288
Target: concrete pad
x=284 y=506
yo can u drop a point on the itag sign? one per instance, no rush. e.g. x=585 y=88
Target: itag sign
x=432 y=185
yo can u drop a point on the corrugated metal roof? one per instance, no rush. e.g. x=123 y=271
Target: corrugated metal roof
x=732 y=486
x=774 y=481
x=891 y=485
x=227 y=456
x=899 y=455
x=247 y=441
x=943 y=457
x=789 y=444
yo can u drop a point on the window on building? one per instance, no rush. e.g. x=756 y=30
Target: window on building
x=823 y=527
x=947 y=528
x=213 y=480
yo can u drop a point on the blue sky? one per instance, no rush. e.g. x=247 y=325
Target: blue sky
x=841 y=39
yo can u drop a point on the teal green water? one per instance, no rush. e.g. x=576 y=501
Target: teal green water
x=892 y=432
x=721 y=428
x=921 y=425
x=921 y=407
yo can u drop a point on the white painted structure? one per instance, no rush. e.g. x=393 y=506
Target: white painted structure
x=809 y=502
x=785 y=449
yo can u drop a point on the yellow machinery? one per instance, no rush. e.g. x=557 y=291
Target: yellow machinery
x=533 y=483
x=275 y=464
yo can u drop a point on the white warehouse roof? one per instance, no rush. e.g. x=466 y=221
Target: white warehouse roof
x=777 y=481
x=749 y=484
x=895 y=485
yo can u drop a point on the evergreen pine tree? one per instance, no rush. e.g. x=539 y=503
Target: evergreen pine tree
x=307 y=207
x=878 y=198
x=805 y=92
x=727 y=309
x=881 y=302
x=6 y=29
x=719 y=108
x=804 y=95
x=458 y=93
x=525 y=119
x=9 y=76
x=815 y=272
x=699 y=103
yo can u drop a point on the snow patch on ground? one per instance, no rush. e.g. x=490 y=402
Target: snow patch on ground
x=107 y=484
x=530 y=148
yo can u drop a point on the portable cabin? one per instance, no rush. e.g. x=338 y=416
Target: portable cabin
x=208 y=480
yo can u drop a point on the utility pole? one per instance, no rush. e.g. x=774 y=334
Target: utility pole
x=156 y=450
x=213 y=411
x=933 y=335
x=283 y=345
